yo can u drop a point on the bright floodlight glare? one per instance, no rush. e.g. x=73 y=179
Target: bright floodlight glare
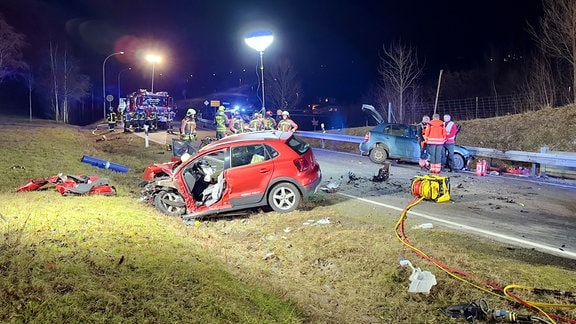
x=153 y=58
x=259 y=40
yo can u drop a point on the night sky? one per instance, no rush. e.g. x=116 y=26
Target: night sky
x=334 y=45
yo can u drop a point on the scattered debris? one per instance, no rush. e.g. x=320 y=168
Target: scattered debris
x=351 y=177
x=331 y=186
x=18 y=167
x=383 y=173
x=421 y=281
x=322 y=221
x=69 y=185
x=423 y=226
x=103 y=164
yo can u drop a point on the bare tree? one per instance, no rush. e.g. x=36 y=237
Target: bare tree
x=557 y=33
x=284 y=89
x=11 y=44
x=538 y=84
x=64 y=85
x=400 y=72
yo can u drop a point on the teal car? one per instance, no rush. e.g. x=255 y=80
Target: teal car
x=399 y=142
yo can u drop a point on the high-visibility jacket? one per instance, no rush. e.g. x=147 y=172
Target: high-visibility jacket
x=220 y=120
x=111 y=117
x=256 y=125
x=237 y=125
x=287 y=125
x=269 y=123
x=420 y=131
x=188 y=129
x=451 y=130
x=435 y=133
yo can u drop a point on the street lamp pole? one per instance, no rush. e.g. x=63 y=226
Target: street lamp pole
x=259 y=41
x=153 y=66
x=119 y=73
x=104 y=80
x=153 y=59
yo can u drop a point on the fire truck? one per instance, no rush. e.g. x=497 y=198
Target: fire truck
x=152 y=109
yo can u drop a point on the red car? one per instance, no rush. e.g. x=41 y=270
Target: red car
x=256 y=169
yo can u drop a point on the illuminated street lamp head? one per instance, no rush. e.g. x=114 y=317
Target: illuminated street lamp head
x=153 y=58
x=259 y=40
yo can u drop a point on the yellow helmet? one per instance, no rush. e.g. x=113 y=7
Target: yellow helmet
x=221 y=109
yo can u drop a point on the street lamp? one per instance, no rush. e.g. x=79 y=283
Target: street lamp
x=260 y=40
x=119 y=73
x=153 y=59
x=104 y=79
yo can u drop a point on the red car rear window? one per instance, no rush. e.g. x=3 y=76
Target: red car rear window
x=299 y=146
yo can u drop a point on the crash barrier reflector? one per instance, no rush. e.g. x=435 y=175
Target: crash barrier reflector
x=103 y=164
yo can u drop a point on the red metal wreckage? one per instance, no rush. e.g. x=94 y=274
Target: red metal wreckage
x=70 y=185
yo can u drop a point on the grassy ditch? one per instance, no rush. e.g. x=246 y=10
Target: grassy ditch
x=114 y=259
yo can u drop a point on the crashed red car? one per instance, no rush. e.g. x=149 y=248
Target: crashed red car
x=238 y=172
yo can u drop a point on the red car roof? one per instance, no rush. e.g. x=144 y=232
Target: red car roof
x=259 y=136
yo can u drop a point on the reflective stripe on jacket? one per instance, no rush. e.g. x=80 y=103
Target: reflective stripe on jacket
x=435 y=133
x=451 y=130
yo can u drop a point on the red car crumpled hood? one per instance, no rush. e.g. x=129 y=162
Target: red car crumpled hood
x=155 y=169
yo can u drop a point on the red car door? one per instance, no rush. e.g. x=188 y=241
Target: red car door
x=249 y=174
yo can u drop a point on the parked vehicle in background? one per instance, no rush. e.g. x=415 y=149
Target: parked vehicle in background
x=153 y=109
x=399 y=142
x=248 y=170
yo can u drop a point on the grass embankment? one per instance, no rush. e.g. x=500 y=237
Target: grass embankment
x=114 y=259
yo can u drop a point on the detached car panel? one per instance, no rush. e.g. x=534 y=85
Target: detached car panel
x=242 y=171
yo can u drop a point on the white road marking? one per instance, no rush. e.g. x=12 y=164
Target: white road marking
x=451 y=224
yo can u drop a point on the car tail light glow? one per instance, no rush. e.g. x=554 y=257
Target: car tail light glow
x=302 y=164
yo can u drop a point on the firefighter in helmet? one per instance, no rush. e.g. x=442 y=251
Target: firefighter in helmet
x=111 y=118
x=256 y=124
x=188 y=129
x=237 y=124
x=269 y=121
x=221 y=121
x=287 y=124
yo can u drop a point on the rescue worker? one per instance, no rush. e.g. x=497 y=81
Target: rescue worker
x=269 y=122
x=256 y=124
x=451 y=130
x=188 y=130
x=420 y=130
x=111 y=118
x=140 y=118
x=287 y=124
x=435 y=135
x=237 y=124
x=221 y=121
x=278 y=116
x=170 y=121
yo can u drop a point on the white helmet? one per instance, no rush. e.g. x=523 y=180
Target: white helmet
x=191 y=112
x=285 y=112
x=185 y=157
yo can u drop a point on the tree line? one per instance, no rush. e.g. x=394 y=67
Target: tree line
x=547 y=75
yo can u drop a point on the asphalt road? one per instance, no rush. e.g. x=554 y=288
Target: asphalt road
x=533 y=213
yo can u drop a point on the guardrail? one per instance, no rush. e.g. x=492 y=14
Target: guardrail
x=563 y=159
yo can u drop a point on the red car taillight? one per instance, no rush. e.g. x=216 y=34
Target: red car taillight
x=302 y=164
x=367 y=137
